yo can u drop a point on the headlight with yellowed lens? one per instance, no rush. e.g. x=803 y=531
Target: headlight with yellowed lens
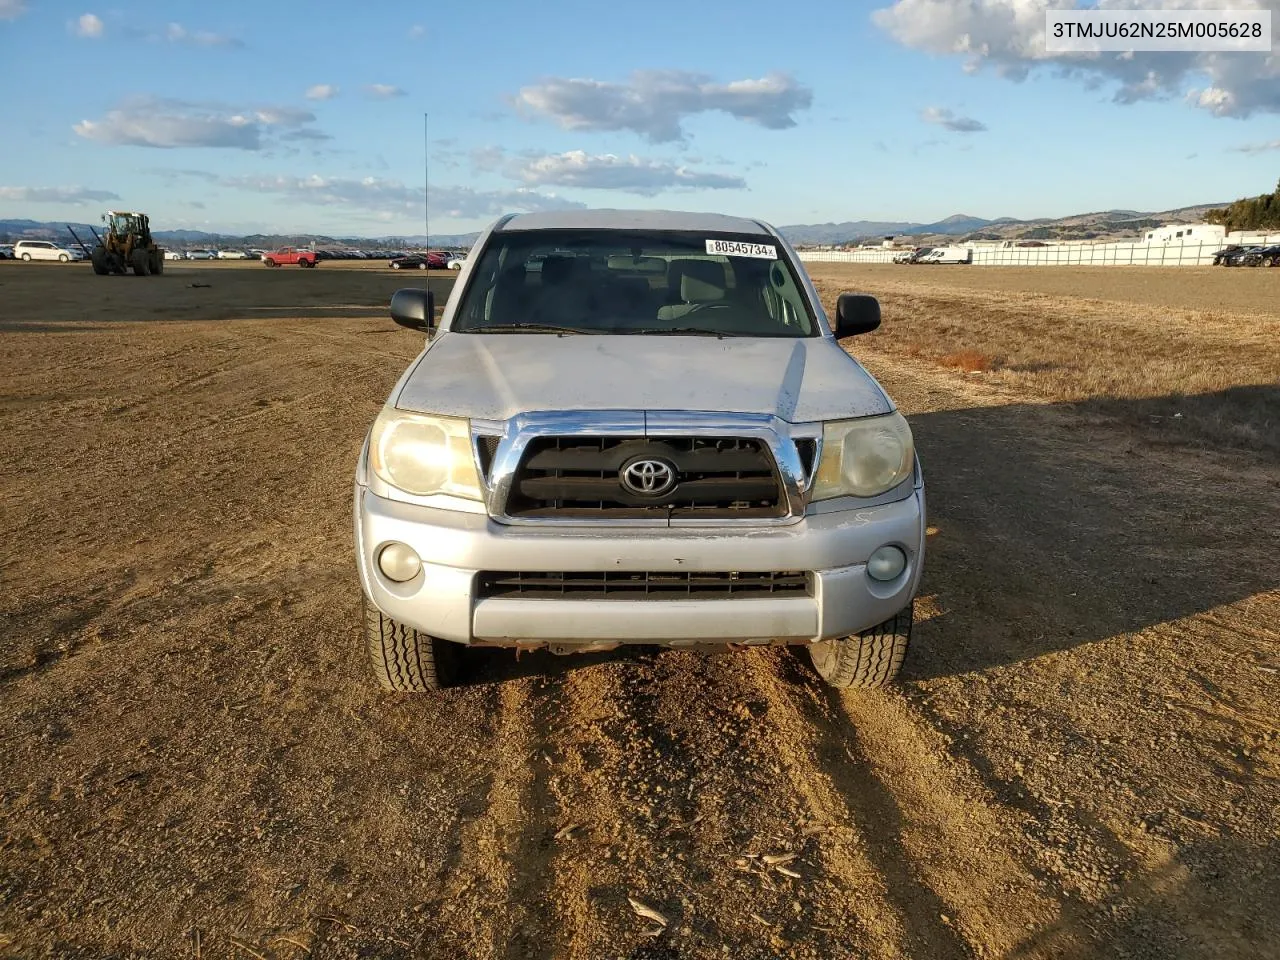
x=424 y=455
x=864 y=458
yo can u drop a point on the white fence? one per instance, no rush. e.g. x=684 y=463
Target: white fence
x=1069 y=254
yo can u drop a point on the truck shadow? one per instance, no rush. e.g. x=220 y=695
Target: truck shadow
x=1063 y=524
x=1171 y=911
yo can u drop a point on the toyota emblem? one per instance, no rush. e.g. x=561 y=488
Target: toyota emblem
x=648 y=478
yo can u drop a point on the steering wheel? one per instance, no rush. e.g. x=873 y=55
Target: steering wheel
x=703 y=307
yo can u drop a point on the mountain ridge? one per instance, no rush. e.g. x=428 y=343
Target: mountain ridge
x=1081 y=226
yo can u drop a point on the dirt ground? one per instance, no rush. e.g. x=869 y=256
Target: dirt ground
x=1082 y=760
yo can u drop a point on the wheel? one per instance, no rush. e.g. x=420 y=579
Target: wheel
x=395 y=266
x=269 y=262
x=157 y=266
x=141 y=264
x=405 y=660
x=871 y=659
x=1272 y=261
x=63 y=258
x=26 y=257
x=422 y=266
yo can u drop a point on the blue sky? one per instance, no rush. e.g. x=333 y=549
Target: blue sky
x=254 y=117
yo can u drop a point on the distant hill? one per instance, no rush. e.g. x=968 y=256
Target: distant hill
x=14 y=230
x=1082 y=226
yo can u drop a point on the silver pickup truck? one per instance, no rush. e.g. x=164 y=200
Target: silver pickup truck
x=636 y=427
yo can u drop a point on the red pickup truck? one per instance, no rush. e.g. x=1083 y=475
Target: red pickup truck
x=290 y=255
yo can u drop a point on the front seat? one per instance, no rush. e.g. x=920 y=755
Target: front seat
x=693 y=283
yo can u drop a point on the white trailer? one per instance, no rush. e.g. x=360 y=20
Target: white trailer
x=1183 y=233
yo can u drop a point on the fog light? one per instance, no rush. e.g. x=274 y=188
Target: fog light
x=886 y=563
x=398 y=562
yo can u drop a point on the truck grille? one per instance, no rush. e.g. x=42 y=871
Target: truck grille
x=617 y=585
x=580 y=478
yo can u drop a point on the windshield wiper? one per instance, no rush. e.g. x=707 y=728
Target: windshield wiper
x=527 y=328
x=682 y=332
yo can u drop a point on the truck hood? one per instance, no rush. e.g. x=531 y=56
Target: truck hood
x=496 y=376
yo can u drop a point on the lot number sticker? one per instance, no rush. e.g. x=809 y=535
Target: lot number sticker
x=732 y=248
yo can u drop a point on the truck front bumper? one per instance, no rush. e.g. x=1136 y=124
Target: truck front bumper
x=443 y=600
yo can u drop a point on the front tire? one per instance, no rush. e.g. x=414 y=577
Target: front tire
x=405 y=660
x=26 y=257
x=269 y=263
x=63 y=258
x=871 y=659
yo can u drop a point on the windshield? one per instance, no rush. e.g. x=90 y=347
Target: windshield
x=625 y=282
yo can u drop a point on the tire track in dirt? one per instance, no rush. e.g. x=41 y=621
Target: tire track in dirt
x=827 y=767
x=495 y=891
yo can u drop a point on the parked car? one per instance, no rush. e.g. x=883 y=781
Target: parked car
x=175 y=255
x=597 y=459
x=412 y=262
x=6 y=251
x=202 y=255
x=1220 y=258
x=1265 y=256
x=44 y=250
x=457 y=261
x=910 y=256
x=1240 y=256
x=232 y=255
x=288 y=256
x=422 y=261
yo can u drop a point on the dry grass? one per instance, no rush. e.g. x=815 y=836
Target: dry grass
x=970 y=361
x=1212 y=375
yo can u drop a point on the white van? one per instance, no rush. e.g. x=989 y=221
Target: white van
x=43 y=250
x=947 y=255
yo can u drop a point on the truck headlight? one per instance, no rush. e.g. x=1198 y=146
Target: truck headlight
x=864 y=458
x=424 y=455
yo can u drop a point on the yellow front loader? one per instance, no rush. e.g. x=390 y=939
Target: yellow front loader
x=126 y=244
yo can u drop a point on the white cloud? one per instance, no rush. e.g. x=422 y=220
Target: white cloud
x=1266 y=147
x=153 y=122
x=72 y=195
x=654 y=103
x=322 y=91
x=463 y=203
x=177 y=33
x=630 y=174
x=417 y=32
x=12 y=9
x=1009 y=37
x=390 y=199
x=383 y=91
x=945 y=118
x=88 y=26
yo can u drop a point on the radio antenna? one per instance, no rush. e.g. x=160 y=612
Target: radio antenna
x=426 y=193
x=426 y=181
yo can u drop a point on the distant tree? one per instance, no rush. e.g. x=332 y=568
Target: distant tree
x=1251 y=213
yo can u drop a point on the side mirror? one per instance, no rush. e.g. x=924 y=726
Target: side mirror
x=856 y=313
x=413 y=308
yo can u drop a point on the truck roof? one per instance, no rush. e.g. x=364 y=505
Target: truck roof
x=632 y=220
